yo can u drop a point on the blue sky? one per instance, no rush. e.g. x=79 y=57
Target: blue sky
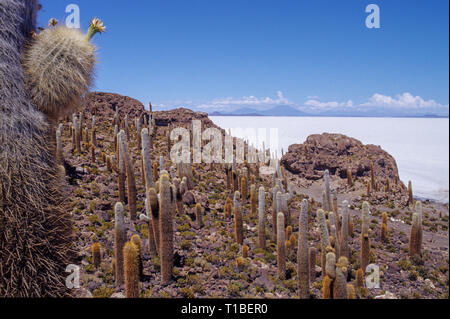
x=312 y=55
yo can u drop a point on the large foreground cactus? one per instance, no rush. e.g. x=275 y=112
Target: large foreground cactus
x=35 y=227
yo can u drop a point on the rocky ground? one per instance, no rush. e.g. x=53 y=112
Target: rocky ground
x=205 y=259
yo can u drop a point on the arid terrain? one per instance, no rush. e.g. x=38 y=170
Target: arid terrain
x=208 y=263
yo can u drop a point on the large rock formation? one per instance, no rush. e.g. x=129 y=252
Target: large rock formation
x=337 y=153
x=104 y=106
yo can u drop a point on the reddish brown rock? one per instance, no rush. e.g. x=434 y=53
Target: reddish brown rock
x=337 y=153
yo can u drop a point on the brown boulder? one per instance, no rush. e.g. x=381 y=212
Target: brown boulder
x=337 y=153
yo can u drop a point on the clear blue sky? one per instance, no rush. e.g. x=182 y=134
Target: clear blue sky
x=317 y=54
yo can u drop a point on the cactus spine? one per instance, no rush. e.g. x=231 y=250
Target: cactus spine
x=281 y=248
x=153 y=202
x=131 y=270
x=166 y=204
x=131 y=182
x=238 y=226
x=120 y=236
x=303 y=252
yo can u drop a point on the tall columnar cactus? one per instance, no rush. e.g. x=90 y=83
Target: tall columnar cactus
x=121 y=171
x=333 y=231
x=228 y=208
x=359 y=278
x=349 y=178
x=77 y=131
x=131 y=181
x=384 y=227
x=136 y=240
x=166 y=204
x=365 y=243
x=324 y=236
x=146 y=158
x=281 y=248
x=120 y=237
x=153 y=202
x=199 y=215
x=326 y=178
x=238 y=226
x=351 y=294
x=275 y=191
x=244 y=188
x=285 y=209
x=330 y=275
x=410 y=194
x=59 y=65
x=312 y=255
x=340 y=283
x=253 y=200
x=262 y=218
x=126 y=127
x=178 y=196
x=415 y=241
x=344 y=249
x=419 y=212
x=155 y=171
x=59 y=152
x=96 y=254
x=131 y=270
x=151 y=236
x=303 y=252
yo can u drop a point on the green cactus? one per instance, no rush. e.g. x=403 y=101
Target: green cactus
x=262 y=218
x=365 y=242
x=131 y=181
x=120 y=237
x=324 y=236
x=312 y=255
x=281 y=248
x=303 y=252
x=96 y=254
x=59 y=67
x=146 y=158
x=238 y=226
x=131 y=270
x=166 y=204
x=344 y=249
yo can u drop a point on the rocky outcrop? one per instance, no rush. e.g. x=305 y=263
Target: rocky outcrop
x=104 y=105
x=337 y=153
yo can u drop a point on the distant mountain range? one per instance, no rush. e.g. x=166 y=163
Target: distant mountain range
x=286 y=110
x=280 y=110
